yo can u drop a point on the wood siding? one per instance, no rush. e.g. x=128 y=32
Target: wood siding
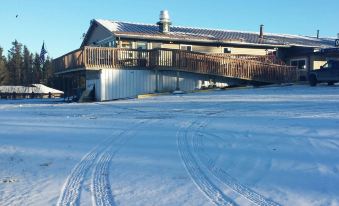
x=248 y=51
x=212 y=49
x=97 y=35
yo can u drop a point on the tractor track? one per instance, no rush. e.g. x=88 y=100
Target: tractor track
x=201 y=180
x=228 y=180
x=100 y=185
x=70 y=193
x=71 y=190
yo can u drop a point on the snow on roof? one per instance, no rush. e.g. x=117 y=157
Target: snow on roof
x=36 y=88
x=44 y=89
x=110 y=25
x=140 y=29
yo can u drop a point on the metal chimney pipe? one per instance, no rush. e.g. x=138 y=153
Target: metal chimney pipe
x=261 y=35
x=164 y=16
x=165 y=22
x=318 y=34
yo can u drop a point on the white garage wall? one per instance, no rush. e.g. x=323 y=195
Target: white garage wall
x=125 y=83
x=119 y=83
x=187 y=81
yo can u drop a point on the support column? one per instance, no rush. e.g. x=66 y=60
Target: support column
x=63 y=80
x=156 y=80
x=79 y=80
x=69 y=82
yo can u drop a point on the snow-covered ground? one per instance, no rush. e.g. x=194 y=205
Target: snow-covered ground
x=263 y=146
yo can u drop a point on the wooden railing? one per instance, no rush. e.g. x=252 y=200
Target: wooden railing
x=269 y=59
x=97 y=57
x=223 y=66
x=71 y=60
x=256 y=68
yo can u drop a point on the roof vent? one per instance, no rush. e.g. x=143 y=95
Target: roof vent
x=318 y=34
x=165 y=22
x=261 y=35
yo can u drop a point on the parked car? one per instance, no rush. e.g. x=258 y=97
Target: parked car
x=329 y=73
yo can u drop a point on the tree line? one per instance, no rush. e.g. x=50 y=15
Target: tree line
x=22 y=67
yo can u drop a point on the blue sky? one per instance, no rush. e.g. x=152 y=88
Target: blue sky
x=60 y=23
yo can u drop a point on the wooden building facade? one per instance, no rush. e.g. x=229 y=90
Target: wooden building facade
x=140 y=48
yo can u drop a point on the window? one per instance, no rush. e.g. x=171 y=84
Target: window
x=271 y=52
x=326 y=65
x=186 y=47
x=141 y=45
x=294 y=63
x=111 y=44
x=299 y=63
x=108 y=42
x=126 y=44
x=227 y=50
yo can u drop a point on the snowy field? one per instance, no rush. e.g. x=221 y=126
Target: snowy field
x=261 y=146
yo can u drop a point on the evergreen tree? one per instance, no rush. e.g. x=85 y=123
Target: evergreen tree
x=27 y=71
x=47 y=71
x=15 y=63
x=36 y=69
x=24 y=68
x=3 y=69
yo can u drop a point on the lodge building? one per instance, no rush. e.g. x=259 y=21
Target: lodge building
x=123 y=59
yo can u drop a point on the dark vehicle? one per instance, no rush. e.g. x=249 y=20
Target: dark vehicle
x=328 y=73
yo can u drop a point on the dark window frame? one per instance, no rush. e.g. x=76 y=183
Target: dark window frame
x=186 y=47
x=227 y=50
x=301 y=64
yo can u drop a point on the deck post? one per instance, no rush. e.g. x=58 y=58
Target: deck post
x=63 y=80
x=156 y=80
x=178 y=77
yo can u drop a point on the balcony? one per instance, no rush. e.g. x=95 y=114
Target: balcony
x=266 y=69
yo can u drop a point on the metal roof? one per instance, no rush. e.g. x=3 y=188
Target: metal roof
x=137 y=30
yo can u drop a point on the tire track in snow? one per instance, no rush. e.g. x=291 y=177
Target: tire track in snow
x=70 y=193
x=101 y=190
x=225 y=178
x=195 y=171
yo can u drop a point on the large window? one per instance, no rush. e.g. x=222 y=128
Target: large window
x=186 y=47
x=126 y=44
x=111 y=44
x=141 y=45
x=299 y=63
x=108 y=44
x=227 y=51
